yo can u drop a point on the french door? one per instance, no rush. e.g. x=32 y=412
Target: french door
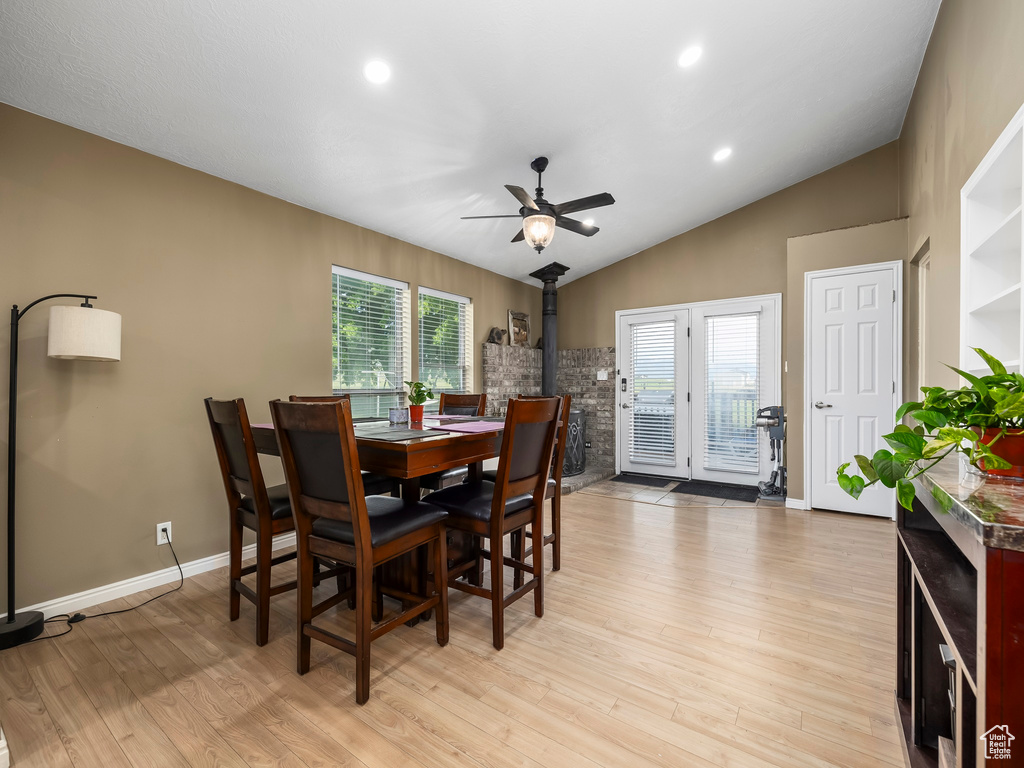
x=653 y=389
x=690 y=381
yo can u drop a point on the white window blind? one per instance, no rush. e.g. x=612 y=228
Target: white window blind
x=371 y=337
x=445 y=341
x=732 y=351
x=652 y=434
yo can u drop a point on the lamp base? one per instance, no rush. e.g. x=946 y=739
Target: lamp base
x=26 y=626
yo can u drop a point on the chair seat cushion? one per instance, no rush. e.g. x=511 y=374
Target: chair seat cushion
x=492 y=476
x=444 y=478
x=473 y=500
x=377 y=485
x=280 y=504
x=390 y=519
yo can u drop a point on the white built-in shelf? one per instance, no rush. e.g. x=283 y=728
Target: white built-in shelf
x=1007 y=300
x=991 y=237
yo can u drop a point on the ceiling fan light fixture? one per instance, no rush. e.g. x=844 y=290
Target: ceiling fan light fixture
x=538 y=230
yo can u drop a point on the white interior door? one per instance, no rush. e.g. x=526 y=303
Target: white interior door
x=852 y=366
x=652 y=391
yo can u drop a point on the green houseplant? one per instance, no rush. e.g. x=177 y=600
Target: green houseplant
x=983 y=420
x=419 y=393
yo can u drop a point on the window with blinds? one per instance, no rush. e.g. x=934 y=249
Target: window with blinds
x=445 y=342
x=732 y=380
x=652 y=429
x=371 y=336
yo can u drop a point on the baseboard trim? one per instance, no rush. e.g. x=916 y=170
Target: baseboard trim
x=90 y=597
x=5 y=754
x=795 y=503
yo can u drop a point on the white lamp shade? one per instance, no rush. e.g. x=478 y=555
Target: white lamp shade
x=84 y=333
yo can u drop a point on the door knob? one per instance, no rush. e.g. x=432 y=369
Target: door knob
x=820 y=404
x=626 y=405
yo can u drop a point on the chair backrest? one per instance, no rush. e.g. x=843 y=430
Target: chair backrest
x=316 y=398
x=236 y=452
x=321 y=465
x=461 y=405
x=558 y=461
x=527 y=445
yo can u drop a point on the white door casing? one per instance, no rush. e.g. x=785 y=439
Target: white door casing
x=853 y=356
x=652 y=386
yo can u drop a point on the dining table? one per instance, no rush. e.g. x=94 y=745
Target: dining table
x=408 y=452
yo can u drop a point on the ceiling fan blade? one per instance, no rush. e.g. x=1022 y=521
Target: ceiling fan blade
x=584 y=203
x=578 y=227
x=519 y=236
x=524 y=199
x=500 y=216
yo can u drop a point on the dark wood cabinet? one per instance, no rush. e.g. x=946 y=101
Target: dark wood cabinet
x=960 y=619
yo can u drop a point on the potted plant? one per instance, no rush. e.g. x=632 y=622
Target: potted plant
x=983 y=420
x=418 y=395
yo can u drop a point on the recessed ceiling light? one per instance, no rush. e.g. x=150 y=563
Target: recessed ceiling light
x=721 y=154
x=589 y=222
x=690 y=56
x=377 y=72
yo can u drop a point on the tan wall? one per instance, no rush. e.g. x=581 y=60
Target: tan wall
x=740 y=254
x=829 y=250
x=223 y=291
x=971 y=85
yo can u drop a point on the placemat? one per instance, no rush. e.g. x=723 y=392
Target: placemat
x=394 y=434
x=473 y=426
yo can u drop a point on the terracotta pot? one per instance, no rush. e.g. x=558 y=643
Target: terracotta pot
x=1010 y=447
x=416 y=413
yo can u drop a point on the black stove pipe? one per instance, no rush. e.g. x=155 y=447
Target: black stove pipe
x=549 y=276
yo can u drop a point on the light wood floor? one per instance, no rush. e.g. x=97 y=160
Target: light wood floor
x=673 y=636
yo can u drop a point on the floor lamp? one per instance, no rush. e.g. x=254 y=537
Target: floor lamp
x=76 y=333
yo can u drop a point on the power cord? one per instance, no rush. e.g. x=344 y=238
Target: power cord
x=78 y=617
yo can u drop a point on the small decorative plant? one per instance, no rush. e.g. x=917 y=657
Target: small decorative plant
x=418 y=392
x=970 y=420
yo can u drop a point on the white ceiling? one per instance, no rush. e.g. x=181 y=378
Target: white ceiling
x=270 y=94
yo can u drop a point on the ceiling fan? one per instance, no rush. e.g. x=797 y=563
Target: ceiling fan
x=541 y=217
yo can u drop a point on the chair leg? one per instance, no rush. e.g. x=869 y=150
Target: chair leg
x=556 y=531
x=364 y=600
x=234 y=567
x=304 y=609
x=264 y=542
x=378 y=595
x=441 y=587
x=497 y=594
x=518 y=552
x=538 y=562
x=475 y=575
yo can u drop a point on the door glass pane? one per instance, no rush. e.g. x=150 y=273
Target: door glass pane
x=652 y=429
x=731 y=392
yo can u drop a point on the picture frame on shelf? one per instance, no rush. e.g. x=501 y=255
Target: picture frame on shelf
x=518 y=329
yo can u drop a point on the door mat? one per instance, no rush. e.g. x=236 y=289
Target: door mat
x=717 y=490
x=653 y=482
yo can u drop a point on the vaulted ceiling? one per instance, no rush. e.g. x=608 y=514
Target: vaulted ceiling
x=272 y=95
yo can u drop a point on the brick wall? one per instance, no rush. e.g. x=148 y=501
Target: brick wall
x=577 y=376
x=509 y=371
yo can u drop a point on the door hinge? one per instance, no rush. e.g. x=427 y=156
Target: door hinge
x=894 y=387
x=687 y=397
x=687 y=330
x=687 y=461
x=894 y=296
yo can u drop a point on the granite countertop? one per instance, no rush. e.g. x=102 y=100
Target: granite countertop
x=991 y=508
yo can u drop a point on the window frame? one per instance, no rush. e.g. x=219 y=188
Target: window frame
x=465 y=341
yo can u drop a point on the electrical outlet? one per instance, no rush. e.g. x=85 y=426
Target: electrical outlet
x=586 y=444
x=161 y=537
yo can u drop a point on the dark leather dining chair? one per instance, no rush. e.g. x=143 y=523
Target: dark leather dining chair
x=553 y=493
x=454 y=405
x=373 y=484
x=334 y=519
x=511 y=503
x=265 y=511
